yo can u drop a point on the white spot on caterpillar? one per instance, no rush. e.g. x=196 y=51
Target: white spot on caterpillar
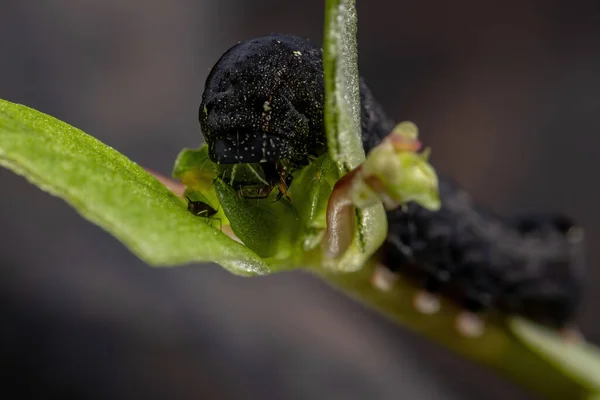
x=297 y=53
x=267 y=106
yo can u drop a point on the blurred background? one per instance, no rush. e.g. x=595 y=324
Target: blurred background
x=507 y=94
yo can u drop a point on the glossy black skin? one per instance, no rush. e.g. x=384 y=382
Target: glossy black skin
x=528 y=265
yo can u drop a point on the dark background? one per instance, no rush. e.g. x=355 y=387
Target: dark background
x=507 y=94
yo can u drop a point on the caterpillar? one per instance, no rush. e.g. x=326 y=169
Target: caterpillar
x=263 y=107
x=531 y=264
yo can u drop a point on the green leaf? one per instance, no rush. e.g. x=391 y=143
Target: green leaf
x=197 y=173
x=342 y=94
x=276 y=229
x=112 y=191
x=269 y=228
x=310 y=194
x=194 y=168
x=342 y=124
x=581 y=361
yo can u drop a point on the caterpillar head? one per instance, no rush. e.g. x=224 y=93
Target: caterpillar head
x=263 y=102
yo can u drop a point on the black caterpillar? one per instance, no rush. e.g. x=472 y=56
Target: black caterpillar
x=263 y=104
x=531 y=265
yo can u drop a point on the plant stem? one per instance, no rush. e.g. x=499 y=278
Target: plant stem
x=497 y=348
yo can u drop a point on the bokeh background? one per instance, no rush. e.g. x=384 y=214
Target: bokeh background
x=507 y=94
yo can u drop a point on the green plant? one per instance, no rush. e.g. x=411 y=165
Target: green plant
x=118 y=195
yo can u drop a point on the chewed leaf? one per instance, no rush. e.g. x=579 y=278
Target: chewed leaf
x=115 y=193
x=580 y=360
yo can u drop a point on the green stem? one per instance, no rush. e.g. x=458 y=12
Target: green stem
x=497 y=348
x=342 y=95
